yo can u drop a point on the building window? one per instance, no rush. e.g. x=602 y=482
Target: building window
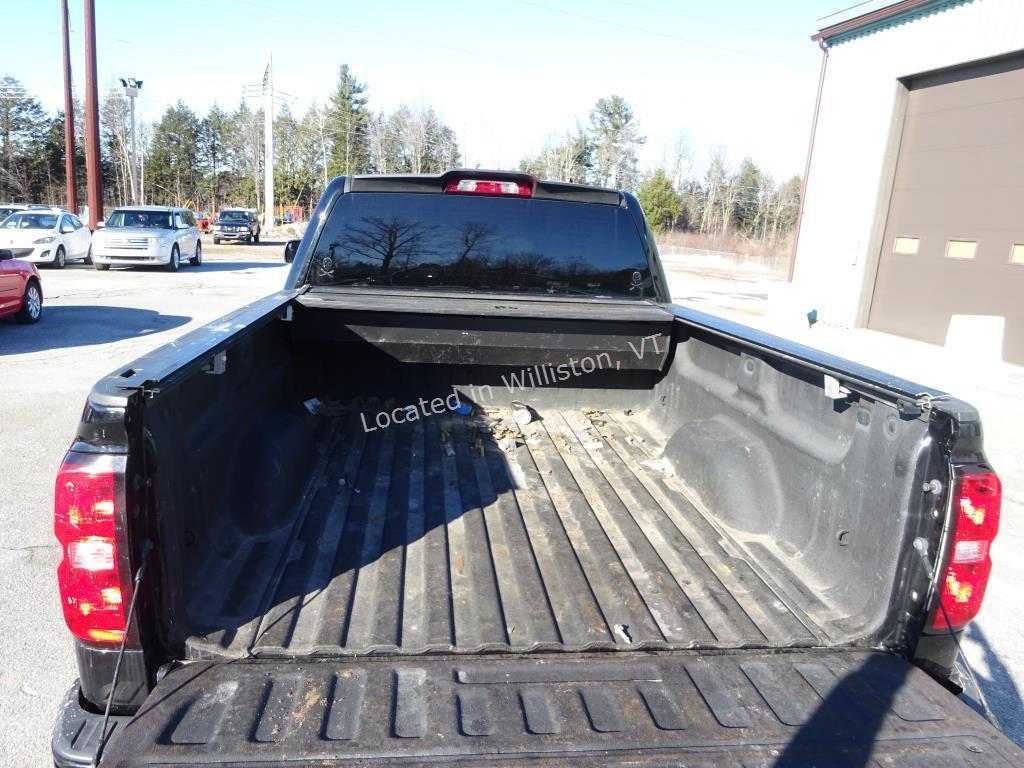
x=1017 y=253
x=961 y=249
x=906 y=245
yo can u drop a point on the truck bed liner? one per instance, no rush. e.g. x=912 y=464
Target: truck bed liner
x=746 y=708
x=457 y=534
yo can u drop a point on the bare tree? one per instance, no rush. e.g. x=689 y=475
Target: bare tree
x=677 y=160
x=474 y=236
x=115 y=119
x=145 y=136
x=762 y=216
x=715 y=181
x=730 y=191
x=385 y=156
x=568 y=157
x=414 y=129
x=385 y=240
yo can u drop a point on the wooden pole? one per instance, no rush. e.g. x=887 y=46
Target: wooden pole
x=92 y=121
x=70 y=176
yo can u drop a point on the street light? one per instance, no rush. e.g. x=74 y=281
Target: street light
x=131 y=90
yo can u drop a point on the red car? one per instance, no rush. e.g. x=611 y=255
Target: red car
x=21 y=290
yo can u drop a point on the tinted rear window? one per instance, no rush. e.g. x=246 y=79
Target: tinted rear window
x=147 y=219
x=486 y=244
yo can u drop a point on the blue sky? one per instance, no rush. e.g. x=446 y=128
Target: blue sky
x=739 y=74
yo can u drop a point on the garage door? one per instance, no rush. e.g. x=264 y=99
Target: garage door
x=954 y=237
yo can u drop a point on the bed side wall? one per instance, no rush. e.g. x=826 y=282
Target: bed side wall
x=822 y=493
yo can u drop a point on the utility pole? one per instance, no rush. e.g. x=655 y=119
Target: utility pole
x=92 y=120
x=131 y=90
x=268 y=148
x=323 y=144
x=70 y=176
x=142 y=175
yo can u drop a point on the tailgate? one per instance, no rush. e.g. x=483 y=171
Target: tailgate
x=736 y=709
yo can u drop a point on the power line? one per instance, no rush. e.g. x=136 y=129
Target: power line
x=417 y=41
x=658 y=33
x=279 y=18
x=164 y=49
x=759 y=30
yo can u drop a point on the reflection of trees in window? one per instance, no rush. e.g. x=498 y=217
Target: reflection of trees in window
x=473 y=241
x=389 y=240
x=427 y=251
x=522 y=269
x=576 y=270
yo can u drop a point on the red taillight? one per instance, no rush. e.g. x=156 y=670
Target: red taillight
x=84 y=506
x=488 y=187
x=977 y=504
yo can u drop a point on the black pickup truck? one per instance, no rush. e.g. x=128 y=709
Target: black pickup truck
x=471 y=491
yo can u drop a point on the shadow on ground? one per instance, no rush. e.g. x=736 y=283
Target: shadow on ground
x=222 y=264
x=81 y=326
x=260 y=244
x=999 y=687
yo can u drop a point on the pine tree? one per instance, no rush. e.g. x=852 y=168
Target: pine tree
x=660 y=201
x=23 y=129
x=616 y=138
x=213 y=130
x=174 y=156
x=750 y=185
x=348 y=120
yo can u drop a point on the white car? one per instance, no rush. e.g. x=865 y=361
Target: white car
x=46 y=236
x=6 y=209
x=144 y=235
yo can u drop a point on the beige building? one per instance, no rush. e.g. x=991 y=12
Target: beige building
x=913 y=214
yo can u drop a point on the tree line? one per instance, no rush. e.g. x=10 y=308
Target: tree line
x=214 y=160
x=217 y=159
x=722 y=203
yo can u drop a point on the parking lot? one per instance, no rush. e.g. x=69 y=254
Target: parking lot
x=92 y=322
x=96 y=321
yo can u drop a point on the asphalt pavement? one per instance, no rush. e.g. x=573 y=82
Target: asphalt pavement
x=93 y=322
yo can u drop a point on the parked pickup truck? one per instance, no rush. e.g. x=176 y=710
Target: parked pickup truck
x=236 y=224
x=470 y=490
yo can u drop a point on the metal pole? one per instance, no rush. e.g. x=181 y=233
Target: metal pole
x=807 y=166
x=142 y=176
x=268 y=151
x=135 y=158
x=323 y=145
x=92 y=120
x=70 y=176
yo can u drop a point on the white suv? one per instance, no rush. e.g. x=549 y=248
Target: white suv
x=145 y=235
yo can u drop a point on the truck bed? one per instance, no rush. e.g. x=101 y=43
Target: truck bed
x=466 y=534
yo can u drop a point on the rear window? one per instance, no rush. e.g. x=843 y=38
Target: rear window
x=146 y=219
x=484 y=244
